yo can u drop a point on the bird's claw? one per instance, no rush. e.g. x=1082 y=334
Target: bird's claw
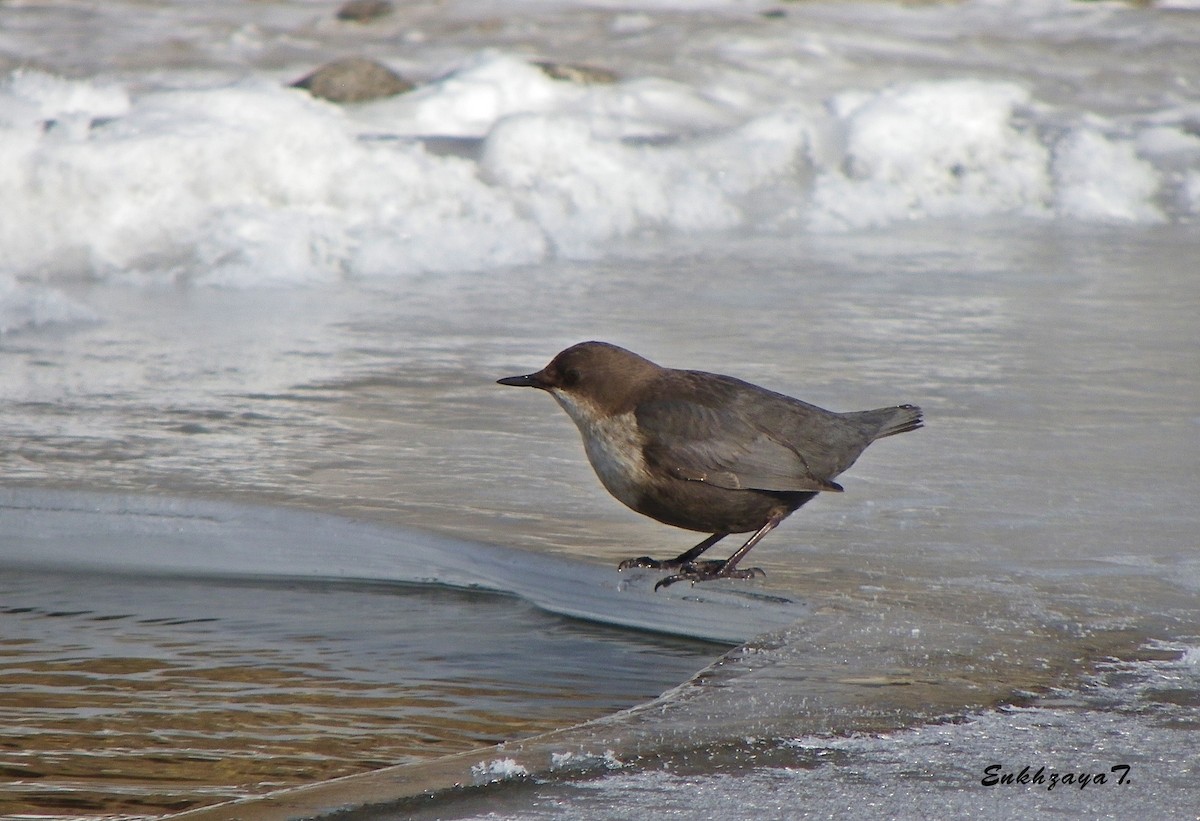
x=708 y=571
x=647 y=562
x=694 y=571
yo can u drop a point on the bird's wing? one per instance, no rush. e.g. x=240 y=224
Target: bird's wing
x=723 y=446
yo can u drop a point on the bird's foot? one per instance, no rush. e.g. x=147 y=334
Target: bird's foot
x=652 y=564
x=645 y=562
x=708 y=571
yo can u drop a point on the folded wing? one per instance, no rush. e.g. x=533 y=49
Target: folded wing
x=738 y=436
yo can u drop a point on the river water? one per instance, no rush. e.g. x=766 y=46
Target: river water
x=267 y=520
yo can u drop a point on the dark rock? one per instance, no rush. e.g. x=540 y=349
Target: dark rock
x=353 y=80
x=364 y=11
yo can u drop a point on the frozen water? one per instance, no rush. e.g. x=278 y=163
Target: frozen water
x=243 y=182
x=23 y=307
x=1073 y=761
x=81 y=532
x=931 y=149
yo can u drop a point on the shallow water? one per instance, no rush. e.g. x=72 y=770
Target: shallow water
x=139 y=694
x=976 y=208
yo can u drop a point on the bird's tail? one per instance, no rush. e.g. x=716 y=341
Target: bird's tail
x=889 y=421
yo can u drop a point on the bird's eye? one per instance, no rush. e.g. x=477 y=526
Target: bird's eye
x=569 y=377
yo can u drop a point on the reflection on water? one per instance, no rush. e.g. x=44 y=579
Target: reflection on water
x=141 y=695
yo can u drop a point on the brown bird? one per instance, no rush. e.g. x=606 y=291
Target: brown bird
x=703 y=451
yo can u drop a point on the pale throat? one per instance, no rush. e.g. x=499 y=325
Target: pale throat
x=613 y=446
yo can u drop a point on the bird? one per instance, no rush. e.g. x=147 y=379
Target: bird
x=703 y=451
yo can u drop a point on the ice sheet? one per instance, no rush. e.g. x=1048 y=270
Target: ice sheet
x=196 y=539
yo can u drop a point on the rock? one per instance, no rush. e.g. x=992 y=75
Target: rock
x=364 y=11
x=585 y=75
x=353 y=80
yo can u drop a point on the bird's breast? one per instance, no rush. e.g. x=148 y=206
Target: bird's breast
x=614 y=448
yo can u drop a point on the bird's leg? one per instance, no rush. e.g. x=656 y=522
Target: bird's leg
x=727 y=569
x=682 y=560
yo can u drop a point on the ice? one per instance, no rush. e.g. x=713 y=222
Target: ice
x=247 y=183
x=1191 y=191
x=469 y=100
x=29 y=94
x=178 y=536
x=584 y=191
x=492 y=85
x=245 y=186
x=498 y=769
x=576 y=761
x=1104 y=180
x=1167 y=139
x=933 y=771
x=31 y=306
x=931 y=149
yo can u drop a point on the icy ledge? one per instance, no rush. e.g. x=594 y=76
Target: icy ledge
x=150 y=535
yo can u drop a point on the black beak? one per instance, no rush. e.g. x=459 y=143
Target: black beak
x=529 y=380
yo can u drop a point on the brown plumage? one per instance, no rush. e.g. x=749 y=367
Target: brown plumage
x=702 y=451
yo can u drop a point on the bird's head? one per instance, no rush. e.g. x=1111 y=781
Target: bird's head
x=596 y=377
